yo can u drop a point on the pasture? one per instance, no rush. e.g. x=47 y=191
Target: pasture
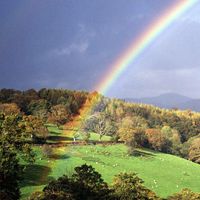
x=165 y=174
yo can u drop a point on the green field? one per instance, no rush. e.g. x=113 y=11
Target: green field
x=58 y=135
x=165 y=174
x=171 y=173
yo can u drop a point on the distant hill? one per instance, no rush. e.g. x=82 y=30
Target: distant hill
x=193 y=104
x=169 y=100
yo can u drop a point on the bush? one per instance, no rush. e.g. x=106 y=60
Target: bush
x=47 y=150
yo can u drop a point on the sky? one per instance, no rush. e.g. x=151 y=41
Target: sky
x=72 y=43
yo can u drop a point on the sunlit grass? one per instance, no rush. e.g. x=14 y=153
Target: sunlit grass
x=165 y=174
x=61 y=135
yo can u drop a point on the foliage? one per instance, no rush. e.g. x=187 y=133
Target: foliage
x=85 y=183
x=34 y=126
x=131 y=130
x=9 y=108
x=40 y=102
x=13 y=135
x=47 y=150
x=58 y=115
x=130 y=186
x=13 y=146
x=109 y=116
x=194 y=151
x=89 y=184
x=99 y=123
x=10 y=174
x=185 y=194
x=158 y=141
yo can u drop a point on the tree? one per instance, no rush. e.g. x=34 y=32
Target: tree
x=13 y=146
x=130 y=186
x=13 y=136
x=126 y=130
x=39 y=108
x=35 y=127
x=85 y=135
x=58 y=115
x=10 y=174
x=174 y=139
x=185 y=194
x=157 y=140
x=100 y=124
x=85 y=184
x=131 y=130
x=89 y=184
x=47 y=150
x=9 y=108
x=194 y=151
x=60 y=189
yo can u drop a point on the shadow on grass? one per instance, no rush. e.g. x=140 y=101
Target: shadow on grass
x=92 y=159
x=36 y=175
x=59 y=138
x=56 y=132
x=58 y=156
x=139 y=153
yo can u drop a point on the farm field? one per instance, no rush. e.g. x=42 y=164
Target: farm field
x=165 y=174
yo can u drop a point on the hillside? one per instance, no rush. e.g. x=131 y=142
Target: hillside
x=165 y=174
x=169 y=100
x=71 y=128
x=193 y=104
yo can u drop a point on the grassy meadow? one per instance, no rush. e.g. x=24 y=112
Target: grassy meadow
x=163 y=173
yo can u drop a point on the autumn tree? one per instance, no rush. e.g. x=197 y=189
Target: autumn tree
x=194 y=151
x=13 y=138
x=89 y=184
x=58 y=115
x=39 y=108
x=35 y=127
x=131 y=130
x=185 y=194
x=13 y=135
x=10 y=174
x=126 y=130
x=130 y=186
x=99 y=123
x=157 y=140
x=173 y=136
x=9 y=108
x=85 y=184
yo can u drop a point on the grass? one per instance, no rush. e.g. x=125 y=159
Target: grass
x=57 y=135
x=170 y=173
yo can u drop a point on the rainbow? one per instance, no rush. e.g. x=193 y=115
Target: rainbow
x=124 y=61
x=141 y=43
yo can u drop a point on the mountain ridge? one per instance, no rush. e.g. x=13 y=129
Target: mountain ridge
x=169 y=101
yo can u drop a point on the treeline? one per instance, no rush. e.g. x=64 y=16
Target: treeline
x=23 y=115
x=51 y=105
x=15 y=132
x=169 y=131
x=138 y=125
x=88 y=184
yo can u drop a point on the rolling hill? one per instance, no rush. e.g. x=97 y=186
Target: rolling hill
x=169 y=100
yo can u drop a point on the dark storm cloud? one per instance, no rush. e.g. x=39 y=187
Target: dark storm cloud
x=71 y=44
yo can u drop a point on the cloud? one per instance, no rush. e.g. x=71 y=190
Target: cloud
x=147 y=82
x=84 y=32
x=194 y=18
x=80 y=48
x=80 y=42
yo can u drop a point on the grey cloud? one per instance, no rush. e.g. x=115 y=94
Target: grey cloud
x=72 y=48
